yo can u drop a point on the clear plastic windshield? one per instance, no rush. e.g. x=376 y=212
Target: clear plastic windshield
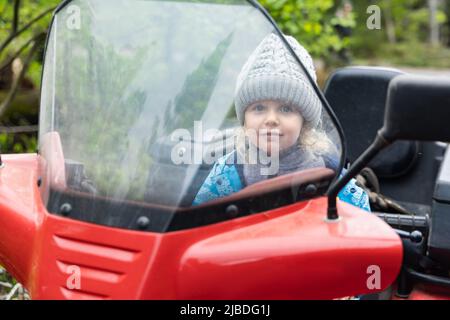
x=156 y=103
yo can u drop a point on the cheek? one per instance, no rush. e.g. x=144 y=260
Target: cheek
x=251 y=121
x=293 y=128
x=251 y=134
x=251 y=125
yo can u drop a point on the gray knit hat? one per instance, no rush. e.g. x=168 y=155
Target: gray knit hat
x=272 y=73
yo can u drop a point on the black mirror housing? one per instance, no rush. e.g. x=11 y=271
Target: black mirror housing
x=417 y=108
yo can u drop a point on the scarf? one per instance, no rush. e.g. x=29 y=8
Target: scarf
x=295 y=158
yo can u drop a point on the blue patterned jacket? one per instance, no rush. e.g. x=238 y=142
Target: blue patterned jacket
x=225 y=179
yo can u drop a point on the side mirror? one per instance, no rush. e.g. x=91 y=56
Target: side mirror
x=417 y=108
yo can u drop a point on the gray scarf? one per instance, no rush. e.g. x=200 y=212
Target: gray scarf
x=292 y=159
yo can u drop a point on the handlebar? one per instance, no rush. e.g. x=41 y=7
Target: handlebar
x=402 y=221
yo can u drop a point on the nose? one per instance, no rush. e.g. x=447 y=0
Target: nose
x=271 y=119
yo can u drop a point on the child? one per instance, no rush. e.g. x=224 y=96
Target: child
x=281 y=116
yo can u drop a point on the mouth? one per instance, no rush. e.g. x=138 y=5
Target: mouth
x=271 y=134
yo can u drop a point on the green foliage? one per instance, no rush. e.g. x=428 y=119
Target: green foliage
x=7 y=284
x=29 y=9
x=415 y=27
x=34 y=72
x=121 y=87
x=17 y=143
x=399 y=54
x=408 y=22
x=86 y=98
x=88 y=89
x=5 y=278
x=310 y=22
x=411 y=18
x=198 y=88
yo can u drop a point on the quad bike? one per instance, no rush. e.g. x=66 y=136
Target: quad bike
x=103 y=209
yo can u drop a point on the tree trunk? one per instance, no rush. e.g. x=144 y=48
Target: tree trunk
x=434 y=26
x=390 y=26
x=447 y=11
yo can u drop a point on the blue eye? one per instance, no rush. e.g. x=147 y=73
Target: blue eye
x=259 y=107
x=286 y=109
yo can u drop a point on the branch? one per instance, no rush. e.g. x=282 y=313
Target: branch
x=16 y=17
x=26 y=27
x=19 y=129
x=15 y=86
x=18 y=52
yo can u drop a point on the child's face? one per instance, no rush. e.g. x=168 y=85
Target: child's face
x=272 y=125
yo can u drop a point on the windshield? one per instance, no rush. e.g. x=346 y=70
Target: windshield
x=162 y=106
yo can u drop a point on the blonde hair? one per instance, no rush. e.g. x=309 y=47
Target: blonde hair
x=316 y=141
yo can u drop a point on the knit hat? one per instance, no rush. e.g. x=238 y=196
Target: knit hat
x=272 y=73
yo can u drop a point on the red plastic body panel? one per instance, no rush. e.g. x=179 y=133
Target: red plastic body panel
x=287 y=253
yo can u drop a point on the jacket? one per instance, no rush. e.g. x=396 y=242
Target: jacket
x=226 y=177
